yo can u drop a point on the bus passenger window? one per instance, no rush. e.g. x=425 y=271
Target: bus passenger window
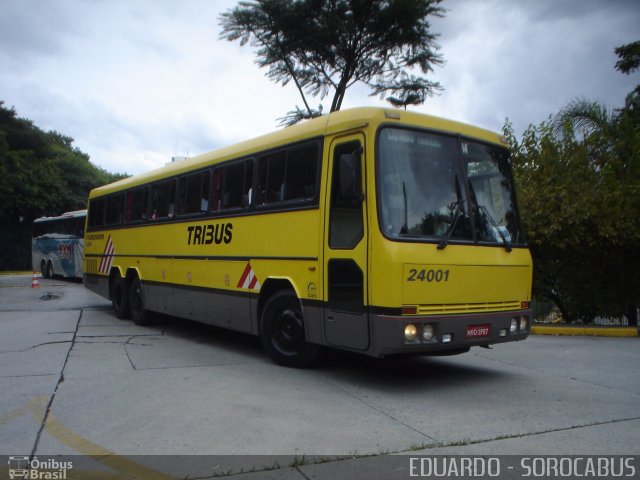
x=193 y=194
x=248 y=182
x=163 y=200
x=136 y=206
x=271 y=178
x=288 y=175
x=218 y=176
x=114 y=210
x=301 y=173
x=96 y=212
x=236 y=180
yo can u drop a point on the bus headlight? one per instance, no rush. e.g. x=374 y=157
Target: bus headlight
x=427 y=332
x=514 y=325
x=523 y=324
x=410 y=332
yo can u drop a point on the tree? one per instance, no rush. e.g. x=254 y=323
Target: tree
x=41 y=174
x=578 y=177
x=325 y=46
x=629 y=57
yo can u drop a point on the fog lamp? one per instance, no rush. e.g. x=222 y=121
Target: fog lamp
x=446 y=338
x=514 y=325
x=410 y=332
x=427 y=332
x=503 y=332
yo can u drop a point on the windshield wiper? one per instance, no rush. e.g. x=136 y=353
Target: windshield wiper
x=405 y=226
x=447 y=235
x=507 y=243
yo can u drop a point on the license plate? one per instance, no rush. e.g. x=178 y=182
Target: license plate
x=478 y=331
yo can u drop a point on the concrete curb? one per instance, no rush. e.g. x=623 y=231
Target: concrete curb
x=592 y=331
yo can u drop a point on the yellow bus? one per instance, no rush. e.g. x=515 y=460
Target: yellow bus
x=377 y=231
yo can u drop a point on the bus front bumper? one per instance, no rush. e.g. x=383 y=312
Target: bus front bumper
x=443 y=334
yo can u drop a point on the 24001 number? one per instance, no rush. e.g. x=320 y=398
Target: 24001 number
x=428 y=276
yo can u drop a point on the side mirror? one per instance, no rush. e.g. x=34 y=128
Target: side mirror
x=349 y=176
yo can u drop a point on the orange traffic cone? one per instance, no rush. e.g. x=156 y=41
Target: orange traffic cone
x=34 y=282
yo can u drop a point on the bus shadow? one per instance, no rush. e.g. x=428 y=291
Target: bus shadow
x=217 y=337
x=408 y=373
x=404 y=373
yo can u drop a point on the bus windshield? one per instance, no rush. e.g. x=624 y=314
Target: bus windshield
x=436 y=187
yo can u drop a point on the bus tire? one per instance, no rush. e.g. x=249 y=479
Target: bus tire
x=282 y=332
x=120 y=297
x=139 y=314
x=49 y=270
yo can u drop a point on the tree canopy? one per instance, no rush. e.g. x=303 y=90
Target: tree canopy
x=326 y=46
x=578 y=176
x=41 y=174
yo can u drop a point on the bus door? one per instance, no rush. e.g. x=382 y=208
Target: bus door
x=346 y=321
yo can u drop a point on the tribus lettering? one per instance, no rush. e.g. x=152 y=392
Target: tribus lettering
x=208 y=234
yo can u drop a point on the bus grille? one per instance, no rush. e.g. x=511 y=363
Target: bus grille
x=91 y=265
x=461 y=308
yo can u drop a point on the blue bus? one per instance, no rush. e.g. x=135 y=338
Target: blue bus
x=57 y=245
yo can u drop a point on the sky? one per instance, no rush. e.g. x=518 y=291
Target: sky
x=136 y=82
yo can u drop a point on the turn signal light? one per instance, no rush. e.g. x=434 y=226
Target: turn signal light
x=413 y=310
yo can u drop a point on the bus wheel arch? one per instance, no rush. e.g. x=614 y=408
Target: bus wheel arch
x=119 y=293
x=282 y=329
x=269 y=288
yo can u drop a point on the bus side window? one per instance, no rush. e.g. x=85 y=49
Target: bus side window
x=271 y=170
x=216 y=198
x=247 y=192
x=96 y=212
x=136 y=205
x=232 y=192
x=237 y=183
x=288 y=175
x=193 y=194
x=300 y=182
x=114 y=210
x=163 y=197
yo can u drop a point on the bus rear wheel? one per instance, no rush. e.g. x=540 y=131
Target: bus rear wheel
x=49 y=270
x=139 y=313
x=282 y=332
x=120 y=297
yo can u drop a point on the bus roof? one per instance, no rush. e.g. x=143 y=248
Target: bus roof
x=74 y=214
x=332 y=123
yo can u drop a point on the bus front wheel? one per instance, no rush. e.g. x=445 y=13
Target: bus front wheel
x=120 y=297
x=139 y=313
x=282 y=332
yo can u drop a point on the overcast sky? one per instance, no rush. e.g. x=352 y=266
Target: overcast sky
x=136 y=82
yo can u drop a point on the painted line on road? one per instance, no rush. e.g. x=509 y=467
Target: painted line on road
x=584 y=331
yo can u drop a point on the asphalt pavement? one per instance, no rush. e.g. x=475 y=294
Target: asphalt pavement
x=183 y=400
